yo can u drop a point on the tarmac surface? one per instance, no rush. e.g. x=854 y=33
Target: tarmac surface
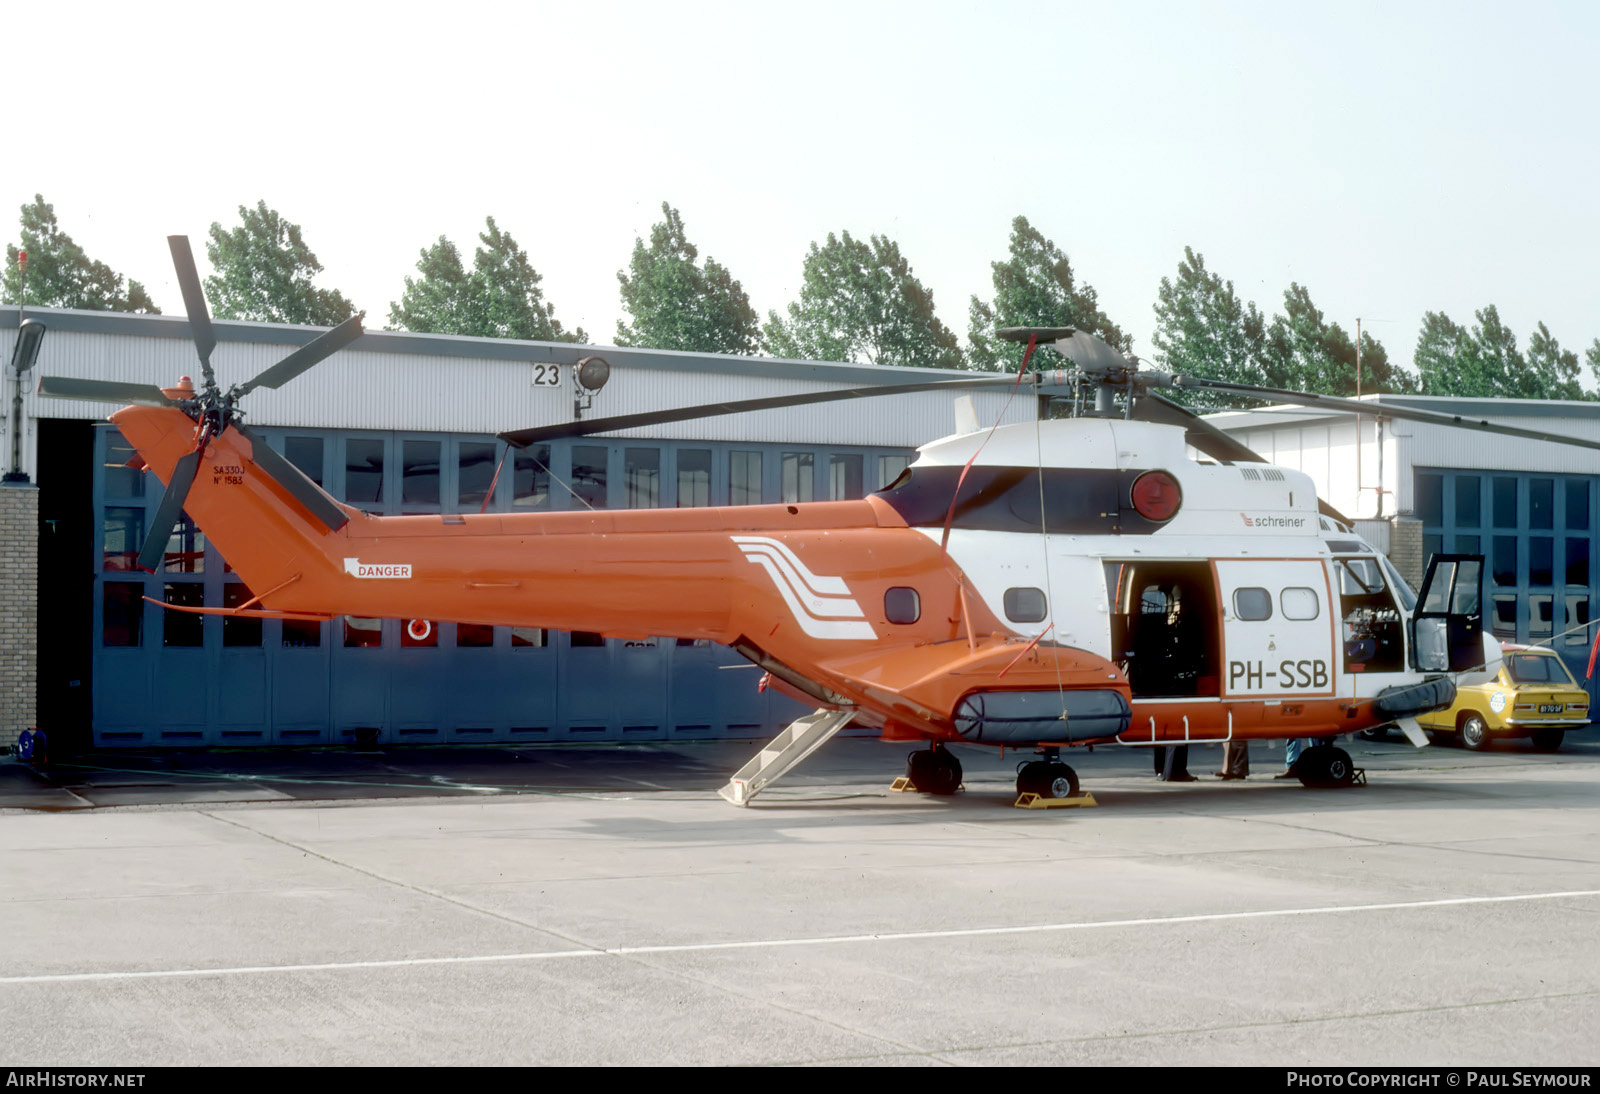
x=600 y=905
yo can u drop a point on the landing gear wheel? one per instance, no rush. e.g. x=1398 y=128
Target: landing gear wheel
x=1548 y=740
x=1325 y=767
x=1474 y=733
x=934 y=771
x=1047 y=779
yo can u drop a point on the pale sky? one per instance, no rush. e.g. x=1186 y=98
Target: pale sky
x=1395 y=158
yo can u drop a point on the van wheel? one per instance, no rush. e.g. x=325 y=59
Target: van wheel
x=1474 y=733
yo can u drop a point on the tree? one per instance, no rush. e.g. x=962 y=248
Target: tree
x=60 y=275
x=675 y=304
x=1592 y=357
x=1439 y=356
x=263 y=271
x=861 y=302
x=1552 y=369
x=500 y=298
x=1204 y=329
x=1035 y=287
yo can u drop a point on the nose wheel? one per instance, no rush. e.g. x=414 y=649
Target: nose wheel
x=934 y=771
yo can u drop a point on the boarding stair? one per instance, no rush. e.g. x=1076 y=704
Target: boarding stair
x=802 y=737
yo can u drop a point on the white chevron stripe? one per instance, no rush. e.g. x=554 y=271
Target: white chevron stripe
x=824 y=586
x=833 y=607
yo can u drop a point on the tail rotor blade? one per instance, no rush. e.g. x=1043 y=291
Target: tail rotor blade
x=324 y=345
x=154 y=551
x=103 y=391
x=194 y=300
x=292 y=479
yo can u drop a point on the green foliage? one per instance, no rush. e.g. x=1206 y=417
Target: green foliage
x=500 y=298
x=263 y=271
x=1552 y=369
x=1204 y=329
x=861 y=302
x=1304 y=352
x=1486 y=363
x=675 y=304
x=1591 y=357
x=60 y=275
x=1035 y=287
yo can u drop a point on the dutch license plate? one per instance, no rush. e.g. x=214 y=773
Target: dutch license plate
x=1549 y=708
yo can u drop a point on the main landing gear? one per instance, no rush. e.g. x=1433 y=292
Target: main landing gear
x=934 y=771
x=1048 y=778
x=1326 y=767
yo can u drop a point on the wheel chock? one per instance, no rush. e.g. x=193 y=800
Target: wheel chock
x=1034 y=801
x=903 y=785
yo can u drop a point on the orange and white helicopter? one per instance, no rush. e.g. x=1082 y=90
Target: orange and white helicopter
x=1073 y=581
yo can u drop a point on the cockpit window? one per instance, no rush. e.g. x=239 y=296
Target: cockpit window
x=1359 y=576
x=1537 y=668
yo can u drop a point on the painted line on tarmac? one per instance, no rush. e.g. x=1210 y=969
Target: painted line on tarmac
x=825 y=940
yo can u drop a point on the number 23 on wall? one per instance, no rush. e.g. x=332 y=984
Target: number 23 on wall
x=546 y=375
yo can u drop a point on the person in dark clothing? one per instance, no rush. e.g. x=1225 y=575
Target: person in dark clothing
x=1172 y=763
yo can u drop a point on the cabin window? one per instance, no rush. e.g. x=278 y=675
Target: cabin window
x=901 y=604
x=475 y=471
x=694 y=478
x=1252 y=604
x=122 y=613
x=1025 y=605
x=1299 y=603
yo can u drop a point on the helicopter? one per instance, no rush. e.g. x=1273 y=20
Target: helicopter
x=1076 y=580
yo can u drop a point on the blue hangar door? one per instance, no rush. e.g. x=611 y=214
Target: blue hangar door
x=171 y=678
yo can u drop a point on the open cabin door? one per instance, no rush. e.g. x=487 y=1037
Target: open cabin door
x=1277 y=628
x=1447 y=630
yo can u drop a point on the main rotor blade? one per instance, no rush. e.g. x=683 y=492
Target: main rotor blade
x=521 y=438
x=154 y=551
x=292 y=479
x=103 y=391
x=194 y=300
x=1381 y=410
x=1205 y=437
x=324 y=345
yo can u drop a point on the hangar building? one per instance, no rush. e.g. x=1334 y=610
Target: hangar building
x=399 y=423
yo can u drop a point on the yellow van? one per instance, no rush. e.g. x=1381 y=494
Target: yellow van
x=1533 y=695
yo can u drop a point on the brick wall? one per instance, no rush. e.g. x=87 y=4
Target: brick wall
x=19 y=609
x=1405 y=549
